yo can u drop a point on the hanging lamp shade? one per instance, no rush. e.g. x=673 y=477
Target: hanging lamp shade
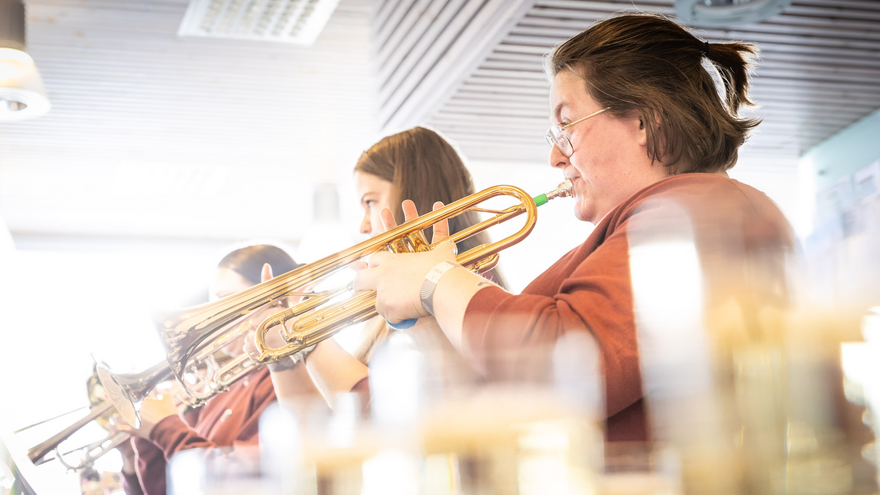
x=22 y=94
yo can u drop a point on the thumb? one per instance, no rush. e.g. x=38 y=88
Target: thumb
x=266 y=274
x=357 y=265
x=448 y=246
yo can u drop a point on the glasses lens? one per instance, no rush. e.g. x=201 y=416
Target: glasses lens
x=556 y=137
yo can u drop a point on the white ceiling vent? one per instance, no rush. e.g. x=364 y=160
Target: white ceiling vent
x=297 y=22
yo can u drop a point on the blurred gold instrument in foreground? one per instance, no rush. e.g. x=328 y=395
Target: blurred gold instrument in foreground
x=195 y=334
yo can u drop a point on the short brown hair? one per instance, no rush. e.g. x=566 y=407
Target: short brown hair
x=248 y=261
x=648 y=63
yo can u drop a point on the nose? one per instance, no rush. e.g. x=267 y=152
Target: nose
x=557 y=158
x=365 y=227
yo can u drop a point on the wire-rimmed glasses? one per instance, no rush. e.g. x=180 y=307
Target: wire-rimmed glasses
x=556 y=135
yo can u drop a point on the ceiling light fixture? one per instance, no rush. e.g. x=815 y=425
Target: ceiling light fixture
x=723 y=13
x=22 y=95
x=297 y=22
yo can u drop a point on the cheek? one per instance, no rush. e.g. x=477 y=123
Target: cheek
x=375 y=219
x=581 y=162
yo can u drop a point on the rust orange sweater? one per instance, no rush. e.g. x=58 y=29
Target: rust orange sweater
x=509 y=337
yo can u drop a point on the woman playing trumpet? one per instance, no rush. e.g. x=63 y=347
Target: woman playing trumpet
x=637 y=121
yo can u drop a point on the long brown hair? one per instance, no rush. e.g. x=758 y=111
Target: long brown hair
x=423 y=167
x=647 y=63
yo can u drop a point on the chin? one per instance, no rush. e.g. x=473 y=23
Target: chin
x=584 y=213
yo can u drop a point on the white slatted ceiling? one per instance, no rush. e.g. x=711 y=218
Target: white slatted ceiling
x=151 y=135
x=425 y=48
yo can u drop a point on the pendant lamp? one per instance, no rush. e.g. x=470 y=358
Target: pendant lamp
x=22 y=95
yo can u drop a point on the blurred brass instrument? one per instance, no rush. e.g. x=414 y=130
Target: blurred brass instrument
x=184 y=355
x=101 y=412
x=87 y=453
x=194 y=334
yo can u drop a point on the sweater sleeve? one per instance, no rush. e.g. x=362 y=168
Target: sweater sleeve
x=362 y=389
x=172 y=435
x=150 y=469
x=511 y=337
x=130 y=484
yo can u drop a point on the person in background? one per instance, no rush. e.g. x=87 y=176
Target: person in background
x=229 y=419
x=637 y=122
x=421 y=165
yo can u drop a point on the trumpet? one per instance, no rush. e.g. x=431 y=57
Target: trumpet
x=184 y=355
x=313 y=325
x=193 y=334
x=101 y=412
x=88 y=453
x=83 y=457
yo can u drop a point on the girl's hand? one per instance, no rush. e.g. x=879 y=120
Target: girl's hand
x=398 y=278
x=273 y=335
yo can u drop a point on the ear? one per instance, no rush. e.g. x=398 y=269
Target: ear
x=643 y=129
x=643 y=132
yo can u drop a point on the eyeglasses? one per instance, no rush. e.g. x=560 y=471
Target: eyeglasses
x=556 y=135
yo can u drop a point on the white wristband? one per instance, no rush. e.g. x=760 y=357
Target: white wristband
x=430 y=283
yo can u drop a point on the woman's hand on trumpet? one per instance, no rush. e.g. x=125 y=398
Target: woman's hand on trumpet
x=398 y=278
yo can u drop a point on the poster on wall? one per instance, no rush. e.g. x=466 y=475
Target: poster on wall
x=866 y=183
x=835 y=200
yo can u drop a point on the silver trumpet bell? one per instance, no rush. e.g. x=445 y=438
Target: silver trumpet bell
x=195 y=358
x=127 y=391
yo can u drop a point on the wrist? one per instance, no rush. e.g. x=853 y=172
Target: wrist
x=291 y=361
x=129 y=466
x=429 y=285
x=283 y=364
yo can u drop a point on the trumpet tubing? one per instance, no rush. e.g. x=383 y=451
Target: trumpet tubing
x=195 y=334
x=321 y=324
x=37 y=452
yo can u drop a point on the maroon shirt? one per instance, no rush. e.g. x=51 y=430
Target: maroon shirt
x=510 y=337
x=227 y=420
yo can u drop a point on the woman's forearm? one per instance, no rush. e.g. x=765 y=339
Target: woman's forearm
x=334 y=370
x=451 y=297
x=293 y=384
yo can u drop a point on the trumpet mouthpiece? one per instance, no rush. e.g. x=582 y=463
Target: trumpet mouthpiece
x=563 y=190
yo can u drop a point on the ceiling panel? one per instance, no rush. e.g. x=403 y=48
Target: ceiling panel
x=151 y=135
